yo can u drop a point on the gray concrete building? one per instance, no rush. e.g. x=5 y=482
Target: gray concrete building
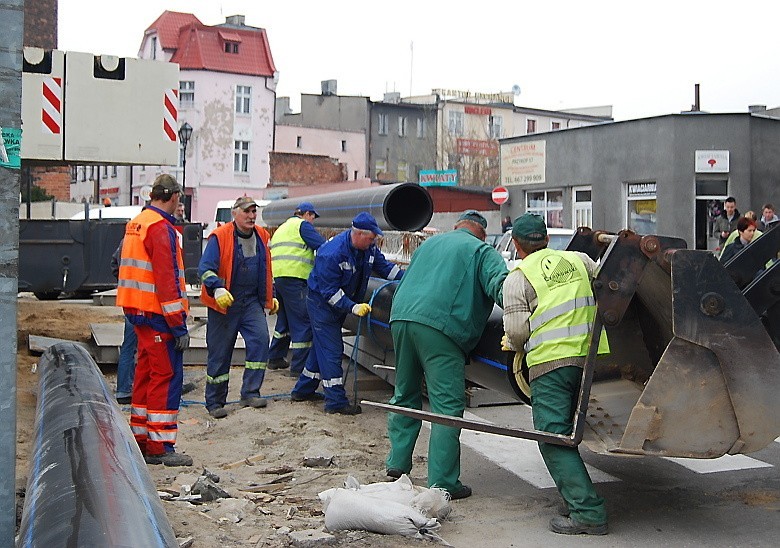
x=663 y=175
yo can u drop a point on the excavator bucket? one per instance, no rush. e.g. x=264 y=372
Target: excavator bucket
x=695 y=352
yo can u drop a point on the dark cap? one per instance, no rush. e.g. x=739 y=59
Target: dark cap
x=475 y=216
x=165 y=184
x=244 y=202
x=365 y=221
x=529 y=227
x=306 y=207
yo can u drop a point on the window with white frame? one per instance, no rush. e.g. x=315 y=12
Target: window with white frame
x=243 y=99
x=548 y=204
x=402 y=126
x=456 y=123
x=154 y=47
x=343 y=145
x=186 y=93
x=74 y=174
x=241 y=157
x=582 y=206
x=403 y=171
x=555 y=126
x=496 y=125
x=383 y=124
x=421 y=128
x=530 y=125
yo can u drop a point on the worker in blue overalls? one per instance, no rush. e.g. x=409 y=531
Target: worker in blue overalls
x=336 y=285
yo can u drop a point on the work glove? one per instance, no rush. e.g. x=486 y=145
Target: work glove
x=361 y=309
x=274 y=307
x=223 y=297
x=182 y=342
x=506 y=346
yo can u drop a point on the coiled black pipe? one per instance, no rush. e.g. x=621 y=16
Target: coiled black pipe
x=403 y=207
x=89 y=485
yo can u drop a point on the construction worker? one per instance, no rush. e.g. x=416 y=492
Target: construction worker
x=336 y=284
x=438 y=314
x=292 y=256
x=152 y=293
x=549 y=311
x=235 y=272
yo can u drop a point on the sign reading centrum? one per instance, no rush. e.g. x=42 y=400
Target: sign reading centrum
x=433 y=177
x=523 y=163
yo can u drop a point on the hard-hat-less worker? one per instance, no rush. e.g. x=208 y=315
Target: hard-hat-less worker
x=549 y=311
x=339 y=279
x=438 y=314
x=152 y=293
x=292 y=257
x=235 y=272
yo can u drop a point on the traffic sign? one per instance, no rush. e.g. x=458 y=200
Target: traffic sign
x=500 y=195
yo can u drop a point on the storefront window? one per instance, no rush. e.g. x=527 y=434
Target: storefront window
x=548 y=204
x=642 y=208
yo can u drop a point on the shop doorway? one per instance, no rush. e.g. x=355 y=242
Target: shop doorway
x=710 y=194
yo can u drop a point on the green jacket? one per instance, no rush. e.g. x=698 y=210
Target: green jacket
x=451 y=285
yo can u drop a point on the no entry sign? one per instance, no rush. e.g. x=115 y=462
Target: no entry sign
x=500 y=195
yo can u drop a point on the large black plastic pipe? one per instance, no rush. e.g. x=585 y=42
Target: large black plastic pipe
x=89 y=485
x=403 y=207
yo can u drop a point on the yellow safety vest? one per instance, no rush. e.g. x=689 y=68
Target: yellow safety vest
x=563 y=320
x=290 y=256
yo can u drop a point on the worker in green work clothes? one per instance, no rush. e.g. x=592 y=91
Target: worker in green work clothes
x=438 y=314
x=549 y=311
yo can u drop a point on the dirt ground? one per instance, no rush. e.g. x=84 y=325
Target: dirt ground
x=258 y=454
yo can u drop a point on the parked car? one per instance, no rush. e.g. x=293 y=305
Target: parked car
x=559 y=239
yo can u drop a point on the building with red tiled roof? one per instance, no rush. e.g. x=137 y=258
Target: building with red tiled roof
x=227 y=90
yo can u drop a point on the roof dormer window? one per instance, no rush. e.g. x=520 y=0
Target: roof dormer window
x=231 y=47
x=231 y=41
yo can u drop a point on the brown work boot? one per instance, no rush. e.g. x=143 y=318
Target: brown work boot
x=570 y=526
x=255 y=401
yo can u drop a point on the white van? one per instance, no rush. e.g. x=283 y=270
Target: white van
x=222 y=214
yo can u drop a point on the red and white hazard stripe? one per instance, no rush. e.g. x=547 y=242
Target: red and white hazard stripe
x=171 y=113
x=51 y=105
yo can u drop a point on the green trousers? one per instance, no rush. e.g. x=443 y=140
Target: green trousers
x=421 y=350
x=554 y=399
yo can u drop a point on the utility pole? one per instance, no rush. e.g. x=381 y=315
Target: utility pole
x=11 y=52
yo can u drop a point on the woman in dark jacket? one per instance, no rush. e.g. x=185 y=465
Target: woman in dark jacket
x=746 y=228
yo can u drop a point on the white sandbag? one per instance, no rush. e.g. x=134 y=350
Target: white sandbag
x=433 y=503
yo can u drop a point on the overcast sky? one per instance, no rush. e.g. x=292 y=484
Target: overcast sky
x=642 y=58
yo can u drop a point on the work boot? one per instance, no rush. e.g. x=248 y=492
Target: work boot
x=346 y=410
x=394 y=473
x=314 y=396
x=124 y=400
x=171 y=458
x=278 y=363
x=463 y=493
x=188 y=387
x=218 y=412
x=570 y=526
x=254 y=401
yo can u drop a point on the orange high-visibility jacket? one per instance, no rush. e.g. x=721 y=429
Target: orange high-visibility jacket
x=225 y=236
x=151 y=270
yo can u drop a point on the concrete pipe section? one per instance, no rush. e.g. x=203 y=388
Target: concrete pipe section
x=89 y=485
x=403 y=207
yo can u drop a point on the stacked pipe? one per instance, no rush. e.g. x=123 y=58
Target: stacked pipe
x=88 y=484
x=402 y=207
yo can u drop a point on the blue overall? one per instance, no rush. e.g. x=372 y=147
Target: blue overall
x=245 y=316
x=293 y=320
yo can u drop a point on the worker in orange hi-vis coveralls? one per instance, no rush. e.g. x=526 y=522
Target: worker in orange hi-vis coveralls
x=152 y=293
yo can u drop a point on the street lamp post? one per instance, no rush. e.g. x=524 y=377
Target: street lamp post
x=185 y=132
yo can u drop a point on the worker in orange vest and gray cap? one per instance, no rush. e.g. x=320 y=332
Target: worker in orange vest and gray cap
x=152 y=293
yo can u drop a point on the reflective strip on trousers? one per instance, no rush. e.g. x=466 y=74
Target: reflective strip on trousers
x=255 y=365
x=310 y=374
x=559 y=310
x=138 y=412
x=139 y=430
x=278 y=335
x=162 y=436
x=555 y=334
x=168 y=417
x=332 y=382
x=294 y=345
x=218 y=380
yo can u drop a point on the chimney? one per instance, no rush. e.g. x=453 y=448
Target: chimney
x=328 y=87
x=237 y=20
x=753 y=109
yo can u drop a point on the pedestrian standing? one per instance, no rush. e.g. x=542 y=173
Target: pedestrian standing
x=235 y=272
x=726 y=223
x=337 y=284
x=439 y=311
x=292 y=257
x=549 y=310
x=152 y=293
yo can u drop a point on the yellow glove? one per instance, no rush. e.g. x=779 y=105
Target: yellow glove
x=361 y=309
x=274 y=307
x=223 y=297
x=506 y=346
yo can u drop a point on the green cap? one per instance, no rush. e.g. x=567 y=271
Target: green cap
x=529 y=227
x=475 y=216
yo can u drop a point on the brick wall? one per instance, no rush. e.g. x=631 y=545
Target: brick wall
x=54 y=179
x=40 y=24
x=305 y=169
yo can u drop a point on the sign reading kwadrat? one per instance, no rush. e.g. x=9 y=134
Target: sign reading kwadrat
x=523 y=163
